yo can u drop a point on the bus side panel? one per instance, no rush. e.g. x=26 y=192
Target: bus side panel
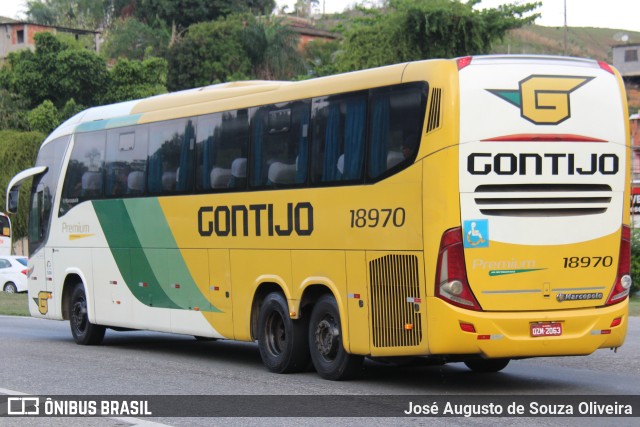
x=325 y=268
x=358 y=305
x=440 y=204
x=249 y=269
x=113 y=299
x=220 y=293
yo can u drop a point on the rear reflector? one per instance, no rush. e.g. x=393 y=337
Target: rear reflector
x=467 y=327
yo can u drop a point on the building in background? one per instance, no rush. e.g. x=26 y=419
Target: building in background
x=17 y=35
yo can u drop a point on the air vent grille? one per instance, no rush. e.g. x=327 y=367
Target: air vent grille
x=537 y=200
x=433 y=121
x=395 y=294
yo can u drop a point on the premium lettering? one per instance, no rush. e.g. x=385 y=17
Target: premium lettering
x=255 y=220
x=542 y=164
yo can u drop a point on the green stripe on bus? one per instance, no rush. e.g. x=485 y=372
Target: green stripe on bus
x=147 y=255
x=115 y=122
x=130 y=258
x=166 y=261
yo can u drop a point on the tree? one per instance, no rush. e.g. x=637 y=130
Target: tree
x=79 y=74
x=18 y=152
x=55 y=72
x=44 y=118
x=184 y=13
x=320 y=57
x=70 y=77
x=210 y=52
x=136 y=79
x=130 y=38
x=13 y=111
x=410 y=30
x=85 y=14
x=273 y=50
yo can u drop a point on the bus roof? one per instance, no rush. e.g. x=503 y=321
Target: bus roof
x=183 y=103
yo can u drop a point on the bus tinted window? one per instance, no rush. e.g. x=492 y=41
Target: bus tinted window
x=171 y=157
x=126 y=161
x=339 y=123
x=397 y=115
x=5 y=230
x=84 y=178
x=279 y=144
x=223 y=139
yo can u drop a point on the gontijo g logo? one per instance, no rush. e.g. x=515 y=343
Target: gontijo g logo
x=543 y=100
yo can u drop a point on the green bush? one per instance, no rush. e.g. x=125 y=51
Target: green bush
x=44 y=118
x=18 y=151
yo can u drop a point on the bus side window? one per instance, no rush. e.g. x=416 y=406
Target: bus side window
x=222 y=138
x=397 y=115
x=5 y=229
x=84 y=176
x=339 y=125
x=126 y=161
x=171 y=157
x=280 y=145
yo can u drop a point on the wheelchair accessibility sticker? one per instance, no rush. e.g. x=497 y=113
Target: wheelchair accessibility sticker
x=476 y=233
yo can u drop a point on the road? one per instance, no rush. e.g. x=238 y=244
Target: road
x=39 y=357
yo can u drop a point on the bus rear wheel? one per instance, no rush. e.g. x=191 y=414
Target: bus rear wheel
x=487 y=365
x=84 y=332
x=282 y=341
x=331 y=360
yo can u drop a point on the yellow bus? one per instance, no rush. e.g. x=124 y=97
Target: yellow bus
x=472 y=210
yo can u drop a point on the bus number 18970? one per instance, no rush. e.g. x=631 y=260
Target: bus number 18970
x=372 y=218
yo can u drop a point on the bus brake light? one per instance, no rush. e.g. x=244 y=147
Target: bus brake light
x=623 y=280
x=451 y=278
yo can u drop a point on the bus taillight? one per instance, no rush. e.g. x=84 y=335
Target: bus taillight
x=451 y=278
x=623 y=279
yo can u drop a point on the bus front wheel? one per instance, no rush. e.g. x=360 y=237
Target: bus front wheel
x=331 y=360
x=487 y=365
x=84 y=332
x=282 y=341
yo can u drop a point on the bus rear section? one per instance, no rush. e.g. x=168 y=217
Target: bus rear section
x=540 y=263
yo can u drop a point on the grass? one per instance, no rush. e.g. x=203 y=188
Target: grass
x=634 y=306
x=16 y=305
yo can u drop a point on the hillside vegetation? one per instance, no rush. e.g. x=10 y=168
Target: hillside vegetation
x=583 y=42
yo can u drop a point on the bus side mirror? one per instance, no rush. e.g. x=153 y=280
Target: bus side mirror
x=12 y=200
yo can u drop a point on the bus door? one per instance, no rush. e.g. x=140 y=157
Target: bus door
x=41 y=261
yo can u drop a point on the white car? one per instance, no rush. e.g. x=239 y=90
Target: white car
x=13 y=273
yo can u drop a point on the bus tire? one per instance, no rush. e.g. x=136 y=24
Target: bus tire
x=84 y=332
x=10 y=288
x=282 y=341
x=331 y=360
x=487 y=365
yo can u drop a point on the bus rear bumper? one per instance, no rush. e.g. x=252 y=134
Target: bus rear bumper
x=509 y=334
